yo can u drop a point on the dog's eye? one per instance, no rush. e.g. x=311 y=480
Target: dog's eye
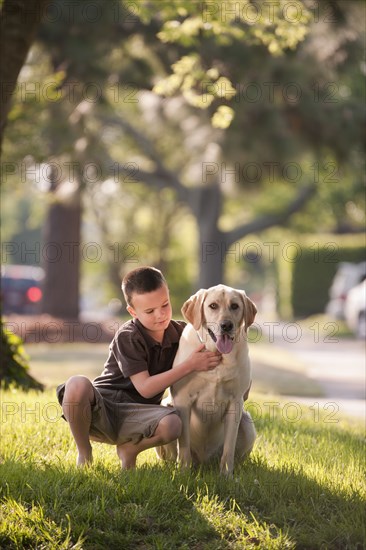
x=213 y=306
x=234 y=306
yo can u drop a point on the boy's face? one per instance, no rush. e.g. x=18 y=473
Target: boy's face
x=153 y=310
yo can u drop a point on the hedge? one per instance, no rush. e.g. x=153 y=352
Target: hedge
x=306 y=268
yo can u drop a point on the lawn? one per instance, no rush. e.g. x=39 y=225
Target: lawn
x=303 y=487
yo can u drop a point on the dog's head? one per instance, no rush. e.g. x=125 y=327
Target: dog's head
x=222 y=312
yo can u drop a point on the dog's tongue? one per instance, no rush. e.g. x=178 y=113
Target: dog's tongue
x=224 y=343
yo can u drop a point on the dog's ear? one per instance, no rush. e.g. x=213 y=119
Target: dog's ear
x=192 y=308
x=250 y=310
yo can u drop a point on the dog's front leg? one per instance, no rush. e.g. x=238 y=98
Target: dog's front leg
x=232 y=420
x=184 y=441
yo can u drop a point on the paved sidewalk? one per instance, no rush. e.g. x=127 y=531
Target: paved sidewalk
x=338 y=366
x=334 y=409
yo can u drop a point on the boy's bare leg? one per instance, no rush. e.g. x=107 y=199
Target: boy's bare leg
x=168 y=429
x=76 y=406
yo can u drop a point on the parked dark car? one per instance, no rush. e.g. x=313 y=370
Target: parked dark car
x=21 y=289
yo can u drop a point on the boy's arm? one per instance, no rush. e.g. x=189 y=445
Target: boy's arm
x=149 y=386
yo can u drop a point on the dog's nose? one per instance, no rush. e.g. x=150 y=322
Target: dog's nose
x=226 y=326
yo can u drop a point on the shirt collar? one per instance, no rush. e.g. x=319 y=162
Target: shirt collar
x=171 y=335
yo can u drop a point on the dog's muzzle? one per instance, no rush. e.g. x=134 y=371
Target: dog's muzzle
x=224 y=340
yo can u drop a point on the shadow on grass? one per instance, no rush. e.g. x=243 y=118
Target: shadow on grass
x=310 y=515
x=98 y=508
x=159 y=507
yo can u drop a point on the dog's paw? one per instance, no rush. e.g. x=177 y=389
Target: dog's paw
x=226 y=473
x=185 y=459
x=167 y=452
x=226 y=468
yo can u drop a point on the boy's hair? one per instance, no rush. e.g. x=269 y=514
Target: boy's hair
x=141 y=280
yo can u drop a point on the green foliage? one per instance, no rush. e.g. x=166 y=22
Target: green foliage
x=192 y=24
x=14 y=362
x=188 y=22
x=223 y=117
x=199 y=87
x=306 y=268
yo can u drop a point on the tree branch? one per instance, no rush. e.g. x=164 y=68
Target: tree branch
x=132 y=174
x=161 y=177
x=270 y=220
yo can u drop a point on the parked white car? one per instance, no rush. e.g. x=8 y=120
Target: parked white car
x=348 y=276
x=355 y=309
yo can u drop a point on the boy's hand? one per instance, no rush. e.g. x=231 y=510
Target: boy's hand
x=203 y=360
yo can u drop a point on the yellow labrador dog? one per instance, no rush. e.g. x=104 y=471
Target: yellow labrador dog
x=211 y=403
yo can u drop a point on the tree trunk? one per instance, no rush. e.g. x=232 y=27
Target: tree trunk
x=61 y=257
x=211 y=259
x=19 y=20
x=214 y=245
x=206 y=205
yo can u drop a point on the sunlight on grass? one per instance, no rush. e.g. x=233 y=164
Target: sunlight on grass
x=26 y=525
x=302 y=487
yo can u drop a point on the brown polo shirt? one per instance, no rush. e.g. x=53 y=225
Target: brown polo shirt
x=133 y=350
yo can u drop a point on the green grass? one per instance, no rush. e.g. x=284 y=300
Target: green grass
x=303 y=487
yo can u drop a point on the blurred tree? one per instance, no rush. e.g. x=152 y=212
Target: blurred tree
x=79 y=72
x=205 y=201
x=19 y=21
x=219 y=59
x=78 y=60
x=87 y=68
x=285 y=146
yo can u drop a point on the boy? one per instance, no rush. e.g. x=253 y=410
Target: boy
x=122 y=405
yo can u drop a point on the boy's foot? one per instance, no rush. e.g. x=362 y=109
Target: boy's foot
x=168 y=430
x=127 y=454
x=84 y=459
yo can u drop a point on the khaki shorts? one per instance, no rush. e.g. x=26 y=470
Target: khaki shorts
x=116 y=423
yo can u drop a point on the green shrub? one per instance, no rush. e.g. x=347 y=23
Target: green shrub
x=14 y=363
x=306 y=271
